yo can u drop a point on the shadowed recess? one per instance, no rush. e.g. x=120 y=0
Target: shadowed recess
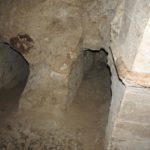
x=14 y=72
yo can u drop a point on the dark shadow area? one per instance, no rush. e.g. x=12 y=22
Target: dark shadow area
x=88 y=114
x=14 y=72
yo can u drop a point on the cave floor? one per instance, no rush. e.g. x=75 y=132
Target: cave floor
x=85 y=120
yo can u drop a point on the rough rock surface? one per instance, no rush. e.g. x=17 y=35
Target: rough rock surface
x=59 y=30
x=97 y=16
x=128 y=124
x=62 y=32
x=55 y=27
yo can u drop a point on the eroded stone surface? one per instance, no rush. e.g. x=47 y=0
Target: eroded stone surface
x=127 y=29
x=55 y=28
x=59 y=29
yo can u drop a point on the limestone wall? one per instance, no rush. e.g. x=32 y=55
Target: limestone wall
x=127 y=29
x=59 y=31
x=55 y=28
x=142 y=60
x=118 y=89
x=128 y=125
x=96 y=18
x=56 y=58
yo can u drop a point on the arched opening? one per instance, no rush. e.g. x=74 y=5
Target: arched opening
x=14 y=71
x=88 y=113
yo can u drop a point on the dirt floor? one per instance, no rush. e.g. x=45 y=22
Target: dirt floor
x=82 y=127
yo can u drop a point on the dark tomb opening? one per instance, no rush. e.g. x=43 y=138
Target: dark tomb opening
x=14 y=72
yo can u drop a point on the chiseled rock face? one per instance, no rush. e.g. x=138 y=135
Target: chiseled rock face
x=97 y=16
x=54 y=26
x=127 y=29
x=51 y=34
x=55 y=29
